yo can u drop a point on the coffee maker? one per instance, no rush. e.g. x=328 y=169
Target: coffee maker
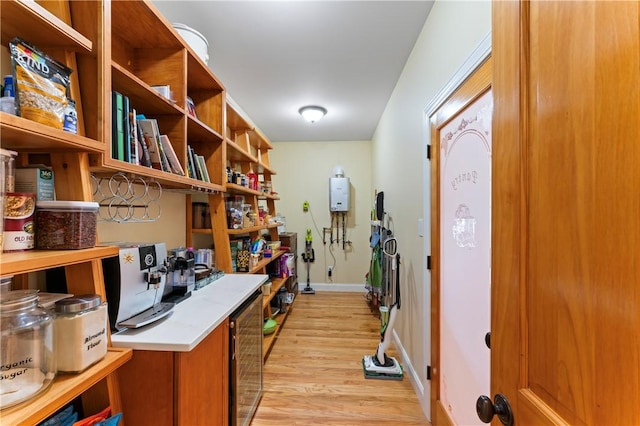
x=181 y=274
x=134 y=283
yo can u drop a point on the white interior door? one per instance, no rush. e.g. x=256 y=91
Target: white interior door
x=465 y=236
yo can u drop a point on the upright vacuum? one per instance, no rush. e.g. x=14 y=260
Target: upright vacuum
x=308 y=257
x=380 y=365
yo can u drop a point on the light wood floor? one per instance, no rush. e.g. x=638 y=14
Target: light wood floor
x=313 y=375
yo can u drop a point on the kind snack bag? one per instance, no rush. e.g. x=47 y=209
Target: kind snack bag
x=41 y=84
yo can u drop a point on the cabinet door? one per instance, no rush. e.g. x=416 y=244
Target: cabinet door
x=202 y=375
x=565 y=301
x=146 y=388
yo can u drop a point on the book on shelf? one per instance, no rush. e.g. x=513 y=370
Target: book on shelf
x=143 y=147
x=192 y=163
x=152 y=140
x=134 y=145
x=203 y=168
x=172 y=158
x=117 y=126
x=191 y=108
x=125 y=129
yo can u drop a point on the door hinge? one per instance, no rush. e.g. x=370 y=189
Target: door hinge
x=428 y=152
x=429 y=263
x=428 y=372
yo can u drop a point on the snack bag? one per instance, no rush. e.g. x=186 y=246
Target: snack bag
x=41 y=84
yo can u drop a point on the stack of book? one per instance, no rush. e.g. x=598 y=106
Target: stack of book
x=136 y=139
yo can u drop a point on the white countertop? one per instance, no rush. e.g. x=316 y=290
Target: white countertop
x=194 y=318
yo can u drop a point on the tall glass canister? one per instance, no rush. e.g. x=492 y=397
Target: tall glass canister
x=27 y=358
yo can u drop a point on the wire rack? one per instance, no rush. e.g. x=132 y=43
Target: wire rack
x=125 y=198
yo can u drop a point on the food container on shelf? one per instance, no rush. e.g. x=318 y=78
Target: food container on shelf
x=18 y=223
x=66 y=225
x=80 y=331
x=194 y=39
x=27 y=352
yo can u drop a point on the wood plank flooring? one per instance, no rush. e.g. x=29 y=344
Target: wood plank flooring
x=313 y=375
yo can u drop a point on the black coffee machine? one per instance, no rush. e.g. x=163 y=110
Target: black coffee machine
x=181 y=275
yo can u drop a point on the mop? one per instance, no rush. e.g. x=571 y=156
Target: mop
x=380 y=365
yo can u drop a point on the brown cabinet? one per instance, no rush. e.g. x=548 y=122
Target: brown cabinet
x=185 y=388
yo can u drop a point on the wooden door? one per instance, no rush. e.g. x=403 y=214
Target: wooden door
x=566 y=203
x=460 y=131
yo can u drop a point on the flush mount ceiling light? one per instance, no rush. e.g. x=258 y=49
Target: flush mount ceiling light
x=312 y=113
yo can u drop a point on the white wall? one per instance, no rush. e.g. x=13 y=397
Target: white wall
x=303 y=172
x=452 y=31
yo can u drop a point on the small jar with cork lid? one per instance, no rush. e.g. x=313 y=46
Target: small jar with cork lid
x=80 y=331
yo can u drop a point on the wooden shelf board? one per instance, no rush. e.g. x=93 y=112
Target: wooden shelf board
x=199 y=75
x=198 y=130
x=37 y=260
x=236 y=153
x=20 y=17
x=235 y=188
x=30 y=136
x=63 y=390
x=167 y=180
x=262 y=168
x=276 y=284
x=201 y=230
x=151 y=29
x=140 y=94
x=269 y=340
x=235 y=120
x=259 y=140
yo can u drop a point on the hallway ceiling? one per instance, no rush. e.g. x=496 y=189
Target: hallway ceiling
x=274 y=57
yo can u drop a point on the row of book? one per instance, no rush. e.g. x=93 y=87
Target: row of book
x=136 y=139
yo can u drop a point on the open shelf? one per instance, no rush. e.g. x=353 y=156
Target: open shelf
x=27 y=135
x=64 y=389
x=50 y=30
x=276 y=284
x=37 y=260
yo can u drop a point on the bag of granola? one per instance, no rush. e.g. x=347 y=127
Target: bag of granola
x=41 y=84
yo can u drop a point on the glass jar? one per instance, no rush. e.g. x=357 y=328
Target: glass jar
x=27 y=359
x=80 y=330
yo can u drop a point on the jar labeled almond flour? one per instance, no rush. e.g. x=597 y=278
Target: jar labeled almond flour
x=80 y=330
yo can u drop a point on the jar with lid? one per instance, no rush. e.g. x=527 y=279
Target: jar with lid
x=80 y=330
x=27 y=357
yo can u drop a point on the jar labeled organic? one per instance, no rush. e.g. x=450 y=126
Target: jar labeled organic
x=80 y=330
x=27 y=358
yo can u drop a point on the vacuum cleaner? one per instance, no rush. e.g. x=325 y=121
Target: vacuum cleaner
x=308 y=257
x=380 y=365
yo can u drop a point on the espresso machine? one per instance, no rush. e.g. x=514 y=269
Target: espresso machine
x=181 y=274
x=134 y=282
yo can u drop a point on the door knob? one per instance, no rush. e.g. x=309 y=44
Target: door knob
x=486 y=409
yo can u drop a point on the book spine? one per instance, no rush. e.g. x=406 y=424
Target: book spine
x=152 y=144
x=133 y=138
x=126 y=132
x=117 y=131
x=192 y=162
x=145 y=160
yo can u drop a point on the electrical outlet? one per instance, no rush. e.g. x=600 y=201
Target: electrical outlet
x=330 y=270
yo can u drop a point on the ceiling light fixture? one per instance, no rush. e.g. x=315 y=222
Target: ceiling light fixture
x=312 y=113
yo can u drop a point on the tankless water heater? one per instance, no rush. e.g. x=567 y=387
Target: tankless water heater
x=339 y=191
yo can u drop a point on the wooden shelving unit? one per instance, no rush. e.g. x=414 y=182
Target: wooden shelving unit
x=63 y=390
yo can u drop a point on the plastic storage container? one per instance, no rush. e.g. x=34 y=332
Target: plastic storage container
x=80 y=331
x=26 y=349
x=66 y=225
x=194 y=39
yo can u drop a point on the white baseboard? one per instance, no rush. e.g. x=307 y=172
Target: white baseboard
x=351 y=288
x=408 y=367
